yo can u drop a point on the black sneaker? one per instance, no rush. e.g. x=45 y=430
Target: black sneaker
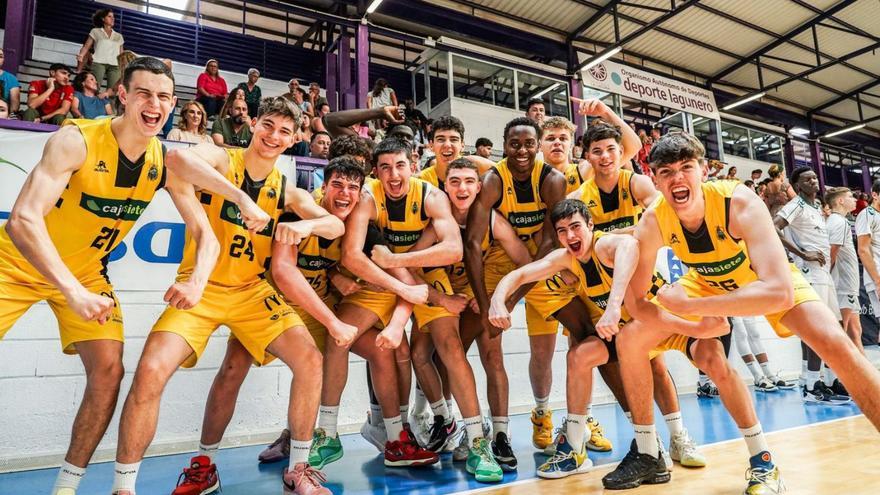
x=636 y=469
x=440 y=433
x=821 y=394
x=839 y=389
x=708 y=390
x=503 y=453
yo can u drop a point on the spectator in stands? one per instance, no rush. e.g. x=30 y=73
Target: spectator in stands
x=731 y=174
x=861 y=203
x=301 y=100
x=315 y=97
x=756 y=175
x=779 y=191
x=252 y=93
x=656 y=133
x=10 y=90
x=301 y=148
x=382 y=95
x=644 y=153
x=4 y=109
x=193 y=125
x=484 y=147
x=49 y=99
x=211 y=88
x=235 y=95
x=86 y=102
x=319 y=146
x=233 y=131
x=107 y=44
x=411 y=111
x=421 y=137
x=318 y=119
x=535 y=110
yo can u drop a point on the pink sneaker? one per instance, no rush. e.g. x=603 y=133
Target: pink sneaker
x=304 y=480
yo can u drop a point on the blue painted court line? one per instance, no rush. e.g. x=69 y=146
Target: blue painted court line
x=362 y=472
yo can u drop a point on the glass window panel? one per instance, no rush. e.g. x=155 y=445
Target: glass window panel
x=767 y=147
x=438 y=79
x=554 y=93
x=706 y=131
x=483 y=82
x=735 y=139
x=419 y=90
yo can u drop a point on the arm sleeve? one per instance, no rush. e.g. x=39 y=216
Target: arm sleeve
x=863 y=226
x=790 y=212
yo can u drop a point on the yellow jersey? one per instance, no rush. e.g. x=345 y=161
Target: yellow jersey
x=716 y=258
x=244 y=256
x=457 y=273
x=97 y=209
x=403 y=220
x=573 y=179
x=594 y=282
x=430 y=175
x=615 y=210
x=315 y=256
x=522 y=206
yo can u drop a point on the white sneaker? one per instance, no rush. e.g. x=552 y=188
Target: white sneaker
x=376 y=435
x=683 y=449
x=664 y=453
x=765 y=385
x=420 y=424
x=460 y=453
x=64 y=491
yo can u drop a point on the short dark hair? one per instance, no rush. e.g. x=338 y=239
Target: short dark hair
x=832 y=193
x=149 y=64
x=567 y=208
x=534 y=101
x=98 y=17
x=80 y=80
x=522 y=121
x=463 y=163
x=875 y=186
x=391 y=145
x=54 y=67
x=601 y=130
x=320 y=133
x=796 y=174
x=483 y=142
x=448 y=123
x=281 y=106
x=676 y=147
x=344 y=166
x=758 y=171
x=351 y=145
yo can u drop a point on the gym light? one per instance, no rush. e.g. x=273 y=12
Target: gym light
x=845 y=130
x=373 y=6
x=799 y=131
x=546 y=90
x=745 y=100
x=603 y=57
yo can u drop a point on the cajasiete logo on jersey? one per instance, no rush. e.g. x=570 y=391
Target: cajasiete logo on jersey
x=230 y=213
x=120 y=209
x=720 y=267
x=101 y=167
x=526 y=218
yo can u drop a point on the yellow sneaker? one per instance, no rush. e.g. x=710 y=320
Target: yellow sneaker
x=597 y=441
x=763 y=476
x=542 y=429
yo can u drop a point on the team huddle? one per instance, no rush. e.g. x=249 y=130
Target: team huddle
x=449 y=250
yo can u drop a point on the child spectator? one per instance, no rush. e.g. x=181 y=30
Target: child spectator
x=107 y=44
x=49 y=99
x=193 y=125
x=86 y=102
x=211 y=88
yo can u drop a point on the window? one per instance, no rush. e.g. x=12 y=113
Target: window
x=553 y=93
x=706 y=130
x=438 y=88
x=767 y=147
x=483 y=82
x=735 y=139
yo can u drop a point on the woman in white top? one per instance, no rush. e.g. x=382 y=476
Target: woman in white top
x=381 y=96
x=107 y=44
x=193 y=125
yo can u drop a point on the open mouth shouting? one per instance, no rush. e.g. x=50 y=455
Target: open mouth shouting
x=152 y=119
x=395 y=188
x=575 y=246
x=680 y=194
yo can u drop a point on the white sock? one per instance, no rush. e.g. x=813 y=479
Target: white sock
x=453 y=408
x=804 y=369
x=576 y=429
x=474 y=428
x=125 y=476
x=499 y=425
x=404 y=413
x=629 y=416
x=646 y=439
x=299 y=452
x=755 y=441
x=589 y=410
x=328 y=419
x=375 y=414
x=421 y=402
x=765 y=367
x=69 y=476
x=542 y=405
x=702 y=380
x=439 y=409
x=830 y=376
x=394 y=426
x=674 y=423
x=209 y=451
x=755 y=370
x=812 y=379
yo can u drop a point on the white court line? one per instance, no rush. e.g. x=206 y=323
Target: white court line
x=614 y=464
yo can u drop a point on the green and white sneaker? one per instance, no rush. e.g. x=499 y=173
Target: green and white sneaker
x=481 y=463
x=324 y=449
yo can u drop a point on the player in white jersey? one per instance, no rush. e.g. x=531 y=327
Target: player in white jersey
x=806 y=238
x=868 y=236
x=844 y=262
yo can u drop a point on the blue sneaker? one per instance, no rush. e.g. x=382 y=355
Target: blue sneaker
x=566 y=462
x=763 y=476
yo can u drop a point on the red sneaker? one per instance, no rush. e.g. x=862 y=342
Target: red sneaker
x=407 y=452
x=200 y=478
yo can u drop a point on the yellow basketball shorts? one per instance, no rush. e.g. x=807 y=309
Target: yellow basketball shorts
x=255 y=314
x=426 y=313
x=18 y=295
x=382 y=303
x=543 y=301
x=315 y=328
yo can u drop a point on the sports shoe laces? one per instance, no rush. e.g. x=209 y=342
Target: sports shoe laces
x=313 y=476
x=504 y=447
x=195 y=474
x=438 y=428
x=763 y=476
x=486 y=453
x=686 y=442
x=595 y=426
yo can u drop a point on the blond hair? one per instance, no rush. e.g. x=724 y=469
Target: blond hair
x=203 y=123
x=559 y=123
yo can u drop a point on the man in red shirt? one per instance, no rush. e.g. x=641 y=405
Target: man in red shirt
x=49 y=100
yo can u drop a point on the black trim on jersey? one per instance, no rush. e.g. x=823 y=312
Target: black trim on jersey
x=523 y=190
x=128 y=173
x=161 y=183
x=324 y=243
x=396 y=209
x=252 y=187
x=700 y=241
x=425 y=190
x=610 y=201
x=441 y=185
x=58 y=203
x=103 y=272
x=205 y=197
x=373 y=237
x=495 y=171
x=545 y=171
x=591 y=273
x=727 y=219
x=281 y=196
x=632 y=196
x=289 y=216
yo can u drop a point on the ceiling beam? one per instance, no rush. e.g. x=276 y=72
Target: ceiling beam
x=608 y=7
x=846 y=96
x=781 y=40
